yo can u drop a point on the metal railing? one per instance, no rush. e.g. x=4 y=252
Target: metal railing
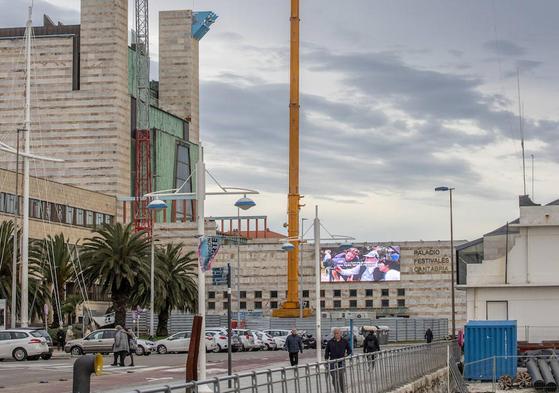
x=364 y=373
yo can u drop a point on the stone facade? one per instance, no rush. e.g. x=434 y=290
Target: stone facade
x=86 y=124
x=178 y=68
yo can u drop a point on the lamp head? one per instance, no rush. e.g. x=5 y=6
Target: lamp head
x=157 y=204
x=245 y=203
x=443 y=188
x=287 y=246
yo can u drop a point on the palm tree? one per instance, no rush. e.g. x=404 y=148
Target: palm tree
x=116 y=260
x=56 y=261
x=178 y=283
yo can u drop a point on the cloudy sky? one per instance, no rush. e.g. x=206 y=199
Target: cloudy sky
x=398 y=96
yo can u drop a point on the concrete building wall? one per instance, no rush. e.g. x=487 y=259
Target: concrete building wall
x=89 y=128
x=178 y=68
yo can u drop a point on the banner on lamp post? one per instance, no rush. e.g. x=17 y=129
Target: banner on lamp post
x=207 y=251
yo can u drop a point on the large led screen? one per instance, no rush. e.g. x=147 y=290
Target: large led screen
x=371 y=263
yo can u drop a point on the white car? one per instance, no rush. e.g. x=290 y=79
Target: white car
x=180 y=342
x=258 y=342
x=21 y=345
x=279 y=336
x=247 y=339
x=220 y=339
x=269 y=342
x=145 y=347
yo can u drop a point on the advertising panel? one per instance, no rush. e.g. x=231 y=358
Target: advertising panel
x=365 y=264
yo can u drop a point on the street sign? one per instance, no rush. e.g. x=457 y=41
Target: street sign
x=219 y=275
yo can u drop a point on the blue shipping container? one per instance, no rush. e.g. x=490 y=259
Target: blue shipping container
x=489 y=347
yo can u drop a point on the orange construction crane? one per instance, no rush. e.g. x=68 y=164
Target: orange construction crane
x=290 y=308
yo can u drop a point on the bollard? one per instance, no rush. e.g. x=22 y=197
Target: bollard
x=84 y=366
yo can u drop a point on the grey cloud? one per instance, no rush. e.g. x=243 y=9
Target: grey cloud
x=16 y=15
x=523 y=66
x=504 y=48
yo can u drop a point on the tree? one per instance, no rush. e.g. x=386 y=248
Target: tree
x=57 y=266
x=178 y=285
x=115 y=258
x=69 y=307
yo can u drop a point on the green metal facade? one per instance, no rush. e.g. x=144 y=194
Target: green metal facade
x=168 y=131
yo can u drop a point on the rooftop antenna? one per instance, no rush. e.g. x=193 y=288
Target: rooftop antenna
x=521 y=131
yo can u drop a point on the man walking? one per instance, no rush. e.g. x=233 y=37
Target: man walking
x=60 y=338
x=337 y=348
x=429 y=335
x=120 y=347
x=294 y=345
x=371 y=345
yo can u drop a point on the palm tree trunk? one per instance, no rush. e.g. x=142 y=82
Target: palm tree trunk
x=120 y=301
x=162 y=320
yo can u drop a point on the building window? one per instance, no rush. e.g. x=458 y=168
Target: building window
x=273 y=294
x=401 y=292
x=185 y=127
x=108 y=219
x=243 y=294
x=353 y=292
x=99 y=219
x=369 y=303
x=211 y=305
x=80 y=219
x=47 y=210
x=337 y=303
x=257 y=294
x=2 y=202
x=322 y=304
x=243 y=305
x=182 y=173
x=225 y=305
x=211 y=295
x=58 y=213
x=322 y=293
x=337 y=292
x=10 y=203
x=384 y=292
x=35 y=208
x=368 y=292
x=401 y=302
x=258 y=305
x=69 y=215
x=225 y=294
x=89 y=218
x=385 y=303
x=305 y=293
x=273 y=304
x=353 y=304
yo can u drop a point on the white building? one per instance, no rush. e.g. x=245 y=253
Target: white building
x=513 y=273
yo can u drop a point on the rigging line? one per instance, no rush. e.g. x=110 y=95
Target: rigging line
x=83 y=279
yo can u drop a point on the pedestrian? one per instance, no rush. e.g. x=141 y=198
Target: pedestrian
x=337 y=348
x=60 y=338
x=69 y=333
x=371 y=345
x=120 y=346
x=429 y=335
x=294 y=345
x=132 y=345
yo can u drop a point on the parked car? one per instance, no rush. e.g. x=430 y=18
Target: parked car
x=40 y=332
x=145 y=347
x=98 y=341
x=220 y=337
x=22 y=344
x=246 y=338
x=258 y=342
x=179 y=342
x=279 y=336
x=269 y=342
x=309 y=342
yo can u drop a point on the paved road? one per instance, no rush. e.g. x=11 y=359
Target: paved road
x=55 y=375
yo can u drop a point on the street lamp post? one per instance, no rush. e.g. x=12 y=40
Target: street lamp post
x=301 y=269
x=154 y=205
x=318 y=307
x=449 y=189
x=245 y=204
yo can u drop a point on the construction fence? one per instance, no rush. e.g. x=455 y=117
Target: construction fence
x=401 y=329
x=381 y=372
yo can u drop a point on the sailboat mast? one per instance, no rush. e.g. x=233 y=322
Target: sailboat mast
x=25 y=231
x=521 y=132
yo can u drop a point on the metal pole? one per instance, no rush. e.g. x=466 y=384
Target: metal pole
x=533 y=196
x=301 y=271
x=152 y=284
x=15 y=241
x=229 y=350
x=25 y=232
x=238 y=275
x=317 y=285
x=200 y=197
x=452 y=270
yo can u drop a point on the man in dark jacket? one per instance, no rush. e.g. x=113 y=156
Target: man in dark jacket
x=294 y=345
x=60 y=338
x=371 y=345
x=429 y=336
x=337 y=348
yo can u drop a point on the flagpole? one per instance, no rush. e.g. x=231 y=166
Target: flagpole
x=200 y=197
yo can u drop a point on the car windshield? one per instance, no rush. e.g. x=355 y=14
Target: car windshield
x=39 y=333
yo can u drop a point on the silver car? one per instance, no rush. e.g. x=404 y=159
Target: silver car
x=247 y=339
x=98 y=341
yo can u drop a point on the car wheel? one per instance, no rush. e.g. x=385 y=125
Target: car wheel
x=19 y=354
x=217 y=349
x=76 y=351
x=140 y=350
x=268 y=347
x=162 y=349
x=46 y=356
x=147 y=353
